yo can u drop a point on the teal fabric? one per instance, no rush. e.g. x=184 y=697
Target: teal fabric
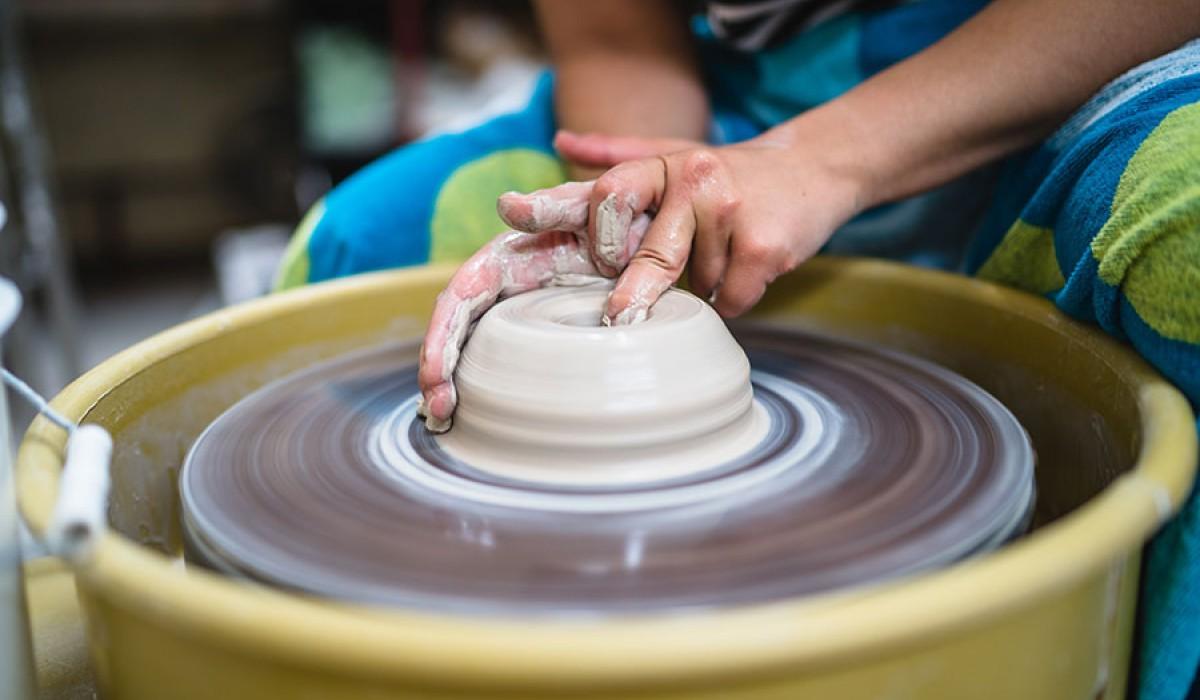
x=772 y=86
x=1117 y=192
x=777 y=83
x=890 y=35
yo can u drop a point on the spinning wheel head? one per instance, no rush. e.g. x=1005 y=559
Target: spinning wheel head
x=848 y=465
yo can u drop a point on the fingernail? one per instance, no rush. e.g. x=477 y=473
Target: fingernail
x=508 y=196
x=631 y=315
x=438 y=425
x=432 y=423
x=504 y=207
x=440 y=413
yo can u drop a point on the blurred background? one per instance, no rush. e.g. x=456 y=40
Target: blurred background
x=156 y=154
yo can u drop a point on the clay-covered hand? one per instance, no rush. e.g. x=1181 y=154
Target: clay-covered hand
x=546 y=246
x=741 y=214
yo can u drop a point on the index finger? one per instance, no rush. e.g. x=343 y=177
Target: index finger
x=561 y=208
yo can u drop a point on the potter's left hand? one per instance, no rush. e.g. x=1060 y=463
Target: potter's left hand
x=741 y=214
x=548 y=245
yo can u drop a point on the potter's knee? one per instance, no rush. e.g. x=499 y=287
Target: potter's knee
x=295 y=267
x=1149 y=248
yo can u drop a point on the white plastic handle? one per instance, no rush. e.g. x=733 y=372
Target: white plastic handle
x=79 y=514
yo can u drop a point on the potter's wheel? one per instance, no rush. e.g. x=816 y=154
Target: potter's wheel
x=858 y=465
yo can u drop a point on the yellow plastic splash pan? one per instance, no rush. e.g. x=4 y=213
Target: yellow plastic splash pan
x=1049 y=616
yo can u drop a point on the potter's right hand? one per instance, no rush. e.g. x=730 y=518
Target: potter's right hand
x=548 y=245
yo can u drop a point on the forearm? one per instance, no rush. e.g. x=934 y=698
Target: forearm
x=624 y=67
x=999 y=83
x=627 y=96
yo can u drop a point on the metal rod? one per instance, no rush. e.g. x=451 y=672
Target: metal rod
x=35 y=399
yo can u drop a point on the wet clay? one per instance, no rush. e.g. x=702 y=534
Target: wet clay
x=547 y=393
x=872 y=465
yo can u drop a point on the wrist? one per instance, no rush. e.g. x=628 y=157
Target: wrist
x=840 y=147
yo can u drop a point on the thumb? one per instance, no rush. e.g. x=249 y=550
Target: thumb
x=656 y=264
x=603 y=151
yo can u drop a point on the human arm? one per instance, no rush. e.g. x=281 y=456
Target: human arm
x=741 y=215
x=624 y=67
x=749 y=212
x=999 y=83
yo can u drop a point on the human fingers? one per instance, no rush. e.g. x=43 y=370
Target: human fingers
x=604 y=151
x=512 y=263
x=561 y=208
x=617 y=198
x=716 y=205
x=656 y=264
x=752 y=266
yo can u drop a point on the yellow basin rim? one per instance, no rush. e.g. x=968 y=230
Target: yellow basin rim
x=816 y=632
